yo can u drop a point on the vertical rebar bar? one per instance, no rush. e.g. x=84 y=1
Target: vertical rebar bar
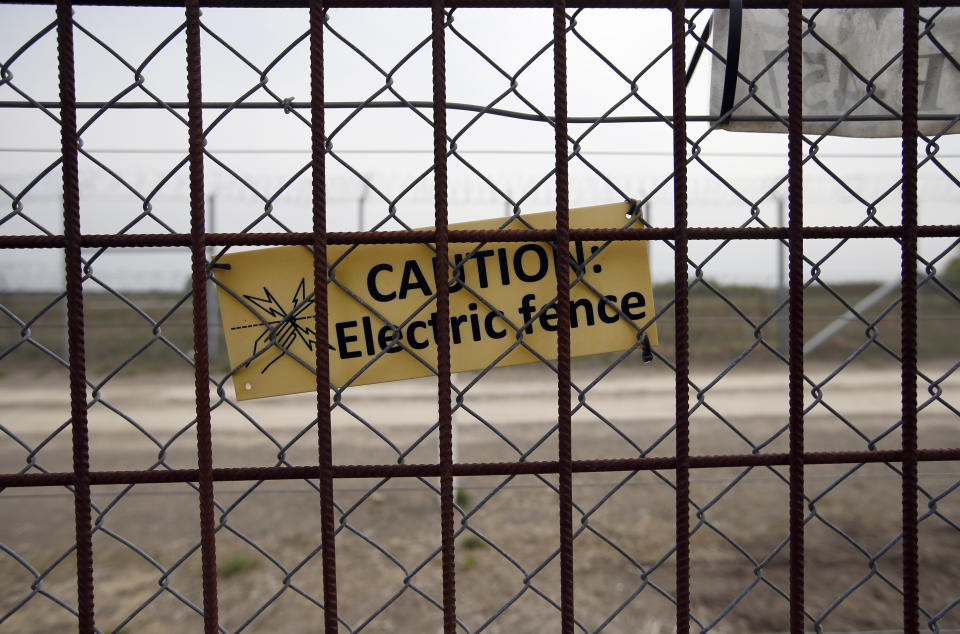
x=442 y=276
x=681 y=317
x=320 y=323
x=69 y=148
x=795 y=284
x=201 y=362
x=564 y=433
x=908 y=317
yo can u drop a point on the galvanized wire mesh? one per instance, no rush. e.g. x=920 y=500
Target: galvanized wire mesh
x=406 y=525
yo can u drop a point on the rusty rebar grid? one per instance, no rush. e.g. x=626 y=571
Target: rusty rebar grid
x=326 y=470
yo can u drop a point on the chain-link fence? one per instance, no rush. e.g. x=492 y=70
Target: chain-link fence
x=759 y=470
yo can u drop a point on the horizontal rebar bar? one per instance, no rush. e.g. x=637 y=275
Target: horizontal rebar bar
x=233 y=474
x=499 y=4
x=131 y=240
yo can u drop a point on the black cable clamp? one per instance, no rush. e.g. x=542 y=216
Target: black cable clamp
x=734 y=36
x=734 y=33
x=646 y=354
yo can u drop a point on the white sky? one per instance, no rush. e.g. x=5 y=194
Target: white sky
x=391 y=147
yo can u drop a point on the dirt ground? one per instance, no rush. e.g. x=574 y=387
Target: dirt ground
x=146 y=543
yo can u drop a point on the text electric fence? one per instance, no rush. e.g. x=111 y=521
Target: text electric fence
x=557 y=474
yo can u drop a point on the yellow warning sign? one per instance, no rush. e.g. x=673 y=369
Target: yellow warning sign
x=382 y=305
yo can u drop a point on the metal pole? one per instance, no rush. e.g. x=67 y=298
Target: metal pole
x=64 y=309
x=454 y=424
x=361 y=204
x=213 y=308
x=782 y=326
x=837 y=324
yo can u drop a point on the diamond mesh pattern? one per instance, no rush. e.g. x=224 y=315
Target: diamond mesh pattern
x=134 y=172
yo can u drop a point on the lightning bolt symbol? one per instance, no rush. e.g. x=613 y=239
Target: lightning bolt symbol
x=288 y=329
